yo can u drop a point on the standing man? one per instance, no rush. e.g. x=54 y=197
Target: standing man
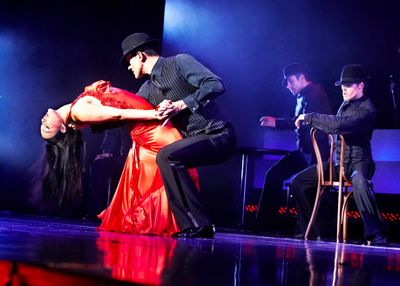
x=355 y=120
x=184 y=89
x=310 y=97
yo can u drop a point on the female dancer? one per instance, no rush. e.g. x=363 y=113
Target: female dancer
x=140 y=202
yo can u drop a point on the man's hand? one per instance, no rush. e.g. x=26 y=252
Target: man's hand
x=169 y=108
x=299 y=121
x=164 y=105
x=268 y=121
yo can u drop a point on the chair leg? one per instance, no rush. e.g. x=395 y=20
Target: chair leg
x=344 y=215
x=318 y=196
x=344 y=230
x=339 y=213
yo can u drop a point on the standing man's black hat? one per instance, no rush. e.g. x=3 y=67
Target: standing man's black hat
x=353 y=73
x=134 y=41
x=292 y=69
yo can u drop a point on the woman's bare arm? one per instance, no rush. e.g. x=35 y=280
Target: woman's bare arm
x=89 y=109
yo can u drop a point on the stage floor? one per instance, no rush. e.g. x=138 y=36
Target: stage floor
x=45 y=251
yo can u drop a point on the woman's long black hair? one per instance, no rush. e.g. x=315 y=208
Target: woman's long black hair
x=60 y=178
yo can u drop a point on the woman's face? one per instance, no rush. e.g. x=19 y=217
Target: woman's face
x=51 y=124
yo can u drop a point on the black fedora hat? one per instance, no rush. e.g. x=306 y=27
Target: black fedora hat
x=352 y=73
x=133 y=42
x=293 y=69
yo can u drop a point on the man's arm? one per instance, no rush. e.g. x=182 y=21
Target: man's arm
x=278 y=123
x=361 y=121
x=209 y=86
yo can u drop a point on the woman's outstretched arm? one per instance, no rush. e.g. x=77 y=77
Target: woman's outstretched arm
x=89 y=109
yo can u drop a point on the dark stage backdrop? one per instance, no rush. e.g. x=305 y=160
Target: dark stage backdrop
x=49 y=50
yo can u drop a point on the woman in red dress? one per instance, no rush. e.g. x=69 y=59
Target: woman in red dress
x=140 y=203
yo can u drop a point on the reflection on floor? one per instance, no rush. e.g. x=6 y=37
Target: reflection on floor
x=44 y=251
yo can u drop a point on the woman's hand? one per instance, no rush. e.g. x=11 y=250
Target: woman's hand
x=164 y=105
x=159 y=115
x=169 y=108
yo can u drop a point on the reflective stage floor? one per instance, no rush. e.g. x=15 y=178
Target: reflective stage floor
x=45 y=251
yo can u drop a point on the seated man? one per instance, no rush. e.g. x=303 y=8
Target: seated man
x=310 y=97
x=355 y=121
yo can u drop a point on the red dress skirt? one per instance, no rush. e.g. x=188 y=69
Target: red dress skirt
x=140 y=204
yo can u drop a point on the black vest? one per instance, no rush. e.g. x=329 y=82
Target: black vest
x=171 y=85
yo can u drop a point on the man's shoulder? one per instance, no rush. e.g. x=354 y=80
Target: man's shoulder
x=179 y=58
x=317 y=87
x=367 y=103
x=182 y=57
x=314 y=90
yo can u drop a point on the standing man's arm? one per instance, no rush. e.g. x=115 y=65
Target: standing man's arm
x=209 y=86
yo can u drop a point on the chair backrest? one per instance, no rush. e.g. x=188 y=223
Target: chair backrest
x=320 y=167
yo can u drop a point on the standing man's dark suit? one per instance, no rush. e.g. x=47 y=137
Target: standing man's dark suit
x=183 y=89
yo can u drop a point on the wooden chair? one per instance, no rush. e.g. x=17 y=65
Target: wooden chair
x=342 y=184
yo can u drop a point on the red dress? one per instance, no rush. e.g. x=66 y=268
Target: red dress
x=140 y=203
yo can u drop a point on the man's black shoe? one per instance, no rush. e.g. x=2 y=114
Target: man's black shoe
x=196 y=232
x=377 y=240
